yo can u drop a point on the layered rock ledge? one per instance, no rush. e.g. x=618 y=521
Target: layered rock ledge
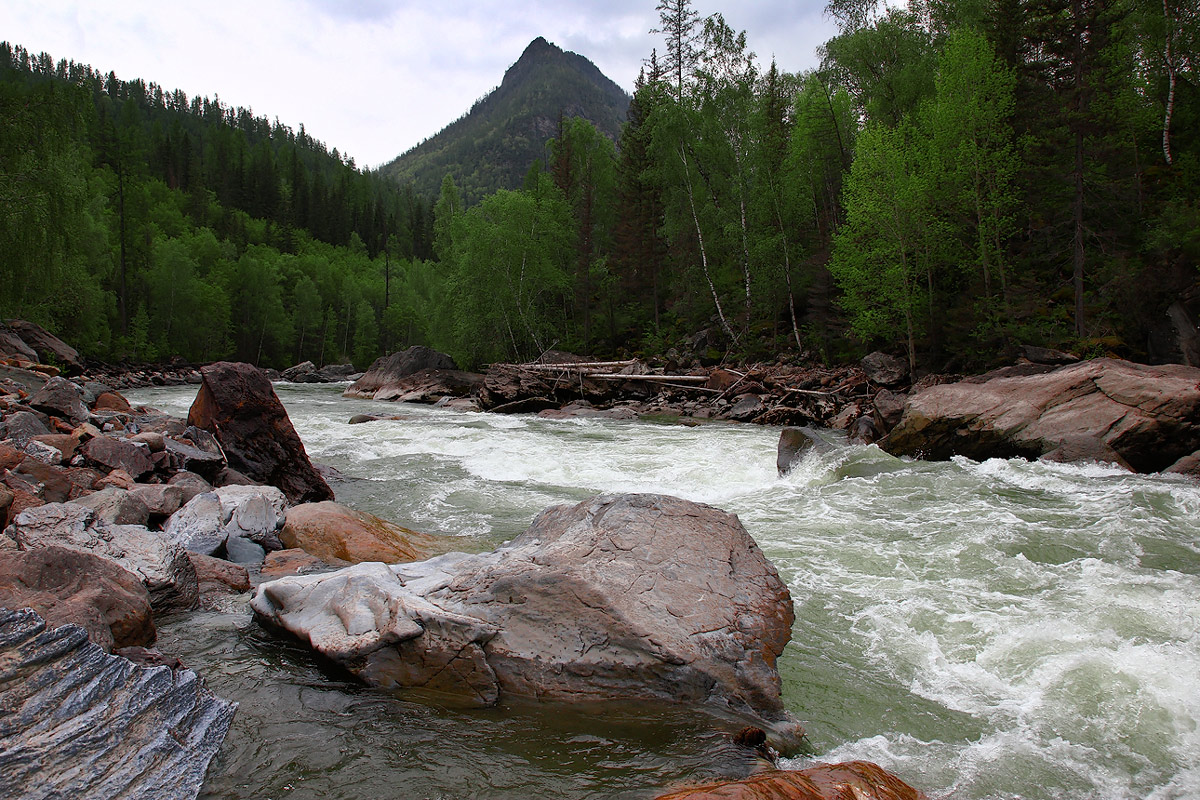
x=77 y=722
x=632 y=596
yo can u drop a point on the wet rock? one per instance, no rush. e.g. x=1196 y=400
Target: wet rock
x=85 y=724
x=359 y=419
x=293 y=561
x=635 y=596
x=865 y=431
x=430 y=386
x=852 y=780
x=116 y=506
x=1188 y=465
x=162 y=567
x=335 y=533
x=1148 y=415
x=884 y=369
x=889 y=407
x=218 y=580
x=60 y=398
x=241 y=550
x=237 y=404
x=70 y=586
x=794 y=443
x=110 y=453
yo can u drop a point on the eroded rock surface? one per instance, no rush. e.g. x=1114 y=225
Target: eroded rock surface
x=78 y=722
x=632 y=596
x=335 y=533
x=1148 y=416
x=852 y=780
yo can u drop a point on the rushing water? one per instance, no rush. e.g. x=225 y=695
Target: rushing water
x=997 y=630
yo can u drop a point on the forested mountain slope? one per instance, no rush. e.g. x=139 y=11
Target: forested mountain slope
x=493 y=145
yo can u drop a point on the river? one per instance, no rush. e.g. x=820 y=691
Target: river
x=1002 y=629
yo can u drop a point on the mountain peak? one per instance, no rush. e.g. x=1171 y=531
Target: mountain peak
x=493 y=145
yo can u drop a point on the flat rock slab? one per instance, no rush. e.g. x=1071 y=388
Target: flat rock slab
x=620 y=597
x=78 y=722
x=1145 y=417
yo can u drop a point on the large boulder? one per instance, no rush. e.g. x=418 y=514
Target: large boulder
x=430 y=386
x=162 y=567
x=49 y=347
x=211 y=519
x=79 y=722
x=237 y=404
x=110 y=453
x=337 y=534
x=65 y=585
x=634 y=596
x=851 y=780
x=389 y=370
x=1147 y=417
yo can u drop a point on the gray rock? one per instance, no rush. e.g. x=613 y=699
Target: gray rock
x=241 y=550
x=640 y=597
x=93 y=389
x=301 y=369
x=116 y=506
x=162 y=566
x=49 y=347
x=187 y=457
x=23 y=426
x=745 y=408
x=198 y=526
x=61 y=398
x=256 y=513
x=26 y=378
x=884 y=369
x=81 y=723
x=161 y=499
x=191 y=484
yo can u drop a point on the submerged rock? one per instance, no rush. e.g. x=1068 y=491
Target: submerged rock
x=81 y=723
x=1148 y=416
x=852 y=780
x=634 y=596
x=337 y=534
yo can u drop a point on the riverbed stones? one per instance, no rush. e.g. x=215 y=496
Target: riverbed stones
x=71 y=586
x=631 y=596
x=1148 y=415
x=337 y=534
x=163 y=567
x=237 y=404
x=81 y=723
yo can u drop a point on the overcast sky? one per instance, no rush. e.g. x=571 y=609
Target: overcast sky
x=373 y=77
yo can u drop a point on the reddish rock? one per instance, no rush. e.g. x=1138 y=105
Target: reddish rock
x=237 y=404
x=10 y=457
x=218 y=579
x=852 y=780
x=64 y=443
x=55 y=484
x=1148 y=415
x=112 y=454
x=65 y=585
x=118 y=478
x=6 y=501
x=112 y=401
x=335 y=533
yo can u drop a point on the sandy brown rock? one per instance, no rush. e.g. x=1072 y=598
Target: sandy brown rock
x=65 y=585
x=218 y=579
x=293 y=561
x=335 y=533
x=852 y=780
